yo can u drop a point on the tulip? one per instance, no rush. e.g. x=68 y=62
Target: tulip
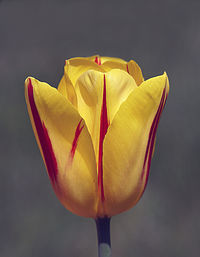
x=96 y=133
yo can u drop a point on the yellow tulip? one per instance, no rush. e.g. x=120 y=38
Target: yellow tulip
x=96 y=132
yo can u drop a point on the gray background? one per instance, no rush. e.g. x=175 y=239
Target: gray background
x=35 y=39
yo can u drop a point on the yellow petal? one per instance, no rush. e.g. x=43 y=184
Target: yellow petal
x=90 y=88
x=99 y=96
x=119 y=85
x=102 y=59
x=128 y=145
x=109 y=63
x=72 y=71
x=105 y=59
x=66 y=88
x=131 y=67
x=66 y=147
x=75 y=67
x=134 y=70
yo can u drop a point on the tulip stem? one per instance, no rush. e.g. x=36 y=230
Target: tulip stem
x=103 y=234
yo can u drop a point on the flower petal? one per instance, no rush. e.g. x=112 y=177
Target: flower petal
x=131 y=67
x=119 y=85
x=134 y=70
x=75 y=67
x=103 y=59
x=90 y=88
x=99 y=97
x=72 y=71
x=128 y=145
x=66 y=147
x=66 y=88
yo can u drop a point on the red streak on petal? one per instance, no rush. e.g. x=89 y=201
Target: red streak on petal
x=44 y=139
x=50 y=158
x=103 y=130
x=76 y=137
x=152 y=134
x=98 y=60
x=127 y=69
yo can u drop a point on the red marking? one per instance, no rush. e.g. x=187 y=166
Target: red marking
x=76 y=137
x=152 y=134
x=127 y=69
x=44 y=139
x=98 y=60
x=103 y=130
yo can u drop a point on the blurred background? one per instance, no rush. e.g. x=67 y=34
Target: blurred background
x=35 y=39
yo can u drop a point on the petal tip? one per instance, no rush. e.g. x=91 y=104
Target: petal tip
x=26 y=82
x=166 y=82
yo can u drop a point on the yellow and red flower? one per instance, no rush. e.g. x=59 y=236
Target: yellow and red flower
x=96 y=132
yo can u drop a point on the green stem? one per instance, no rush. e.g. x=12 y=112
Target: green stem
x=103 y=234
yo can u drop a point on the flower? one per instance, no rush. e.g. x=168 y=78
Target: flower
x=96 y=132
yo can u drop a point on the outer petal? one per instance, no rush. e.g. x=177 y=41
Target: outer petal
x=128 y=145
x=66 y=147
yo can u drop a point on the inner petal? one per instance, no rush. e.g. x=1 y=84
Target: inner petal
x=119 y=85
x=89 y=91
x=99 y=96
x=94 y=89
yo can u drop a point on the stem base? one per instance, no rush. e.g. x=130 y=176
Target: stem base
x=103 y=234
